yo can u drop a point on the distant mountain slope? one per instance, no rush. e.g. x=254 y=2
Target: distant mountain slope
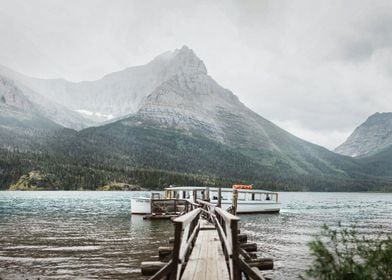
x=117 y=94
x=137 y=144
x=370 y=137
x=50 y=109
x=189 y=123
x=378 y=163
x=21 y=123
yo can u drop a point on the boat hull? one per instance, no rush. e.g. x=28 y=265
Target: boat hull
x=251 y=207
x=143 y=206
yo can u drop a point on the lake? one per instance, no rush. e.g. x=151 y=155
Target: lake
x=91 y=235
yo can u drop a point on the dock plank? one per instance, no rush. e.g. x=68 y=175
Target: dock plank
x=207 y=260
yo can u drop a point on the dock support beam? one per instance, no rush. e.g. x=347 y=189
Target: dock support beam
x=219 y=197
x=236 y=274
x=235 y=201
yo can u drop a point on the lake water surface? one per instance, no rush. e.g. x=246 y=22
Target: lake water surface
x=91 y=235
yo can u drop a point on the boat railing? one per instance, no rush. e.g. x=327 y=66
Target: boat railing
x=173 y=206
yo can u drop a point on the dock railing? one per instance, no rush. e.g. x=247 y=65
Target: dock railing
x=227 y=226
x=186 y=229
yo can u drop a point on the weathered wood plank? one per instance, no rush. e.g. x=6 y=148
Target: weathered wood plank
x=207 y=260
x=204 y=225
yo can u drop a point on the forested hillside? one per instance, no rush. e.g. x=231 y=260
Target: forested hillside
x=87 y=161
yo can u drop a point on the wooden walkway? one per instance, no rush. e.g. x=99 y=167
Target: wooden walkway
x=207 y=260
x=207 y=245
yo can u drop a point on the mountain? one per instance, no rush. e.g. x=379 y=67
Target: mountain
x=194 y=104
x=173 y=123
x=378 y=163
x=372 y=136
x=189 y=123
x=117 y=94
x=49 y=109
x=21 y=123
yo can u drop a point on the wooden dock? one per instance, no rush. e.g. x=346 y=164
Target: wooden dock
x=207 y=260
x=207 y=245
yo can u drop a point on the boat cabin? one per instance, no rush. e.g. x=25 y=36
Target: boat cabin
x=212 y=194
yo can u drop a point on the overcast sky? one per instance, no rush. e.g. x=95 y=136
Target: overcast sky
x=316 y=68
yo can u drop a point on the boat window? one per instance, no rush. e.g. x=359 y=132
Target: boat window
x=241 y=196
x=253 y=196
x=257 y=196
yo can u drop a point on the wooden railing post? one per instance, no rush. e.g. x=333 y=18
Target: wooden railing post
x=236 y=273
x=235 y=201
x=219 y=197
x=207 y=194
x=176 y=250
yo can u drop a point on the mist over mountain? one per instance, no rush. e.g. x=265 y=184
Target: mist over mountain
x=51 y=109
x=120 y=93
x=21 y=121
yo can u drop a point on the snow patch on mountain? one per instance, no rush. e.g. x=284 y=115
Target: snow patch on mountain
x=99 y=117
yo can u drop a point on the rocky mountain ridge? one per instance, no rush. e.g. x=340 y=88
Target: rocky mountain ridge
x=120 y=93
x=42 y=105
x=370 y=137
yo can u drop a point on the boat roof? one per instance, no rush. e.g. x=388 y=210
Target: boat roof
x=200 y=188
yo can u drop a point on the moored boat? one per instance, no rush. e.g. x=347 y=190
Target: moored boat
x=249 y=200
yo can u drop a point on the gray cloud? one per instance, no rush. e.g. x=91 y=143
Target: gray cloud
x=316 y=68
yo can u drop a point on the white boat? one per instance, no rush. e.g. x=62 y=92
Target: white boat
x=249 y=200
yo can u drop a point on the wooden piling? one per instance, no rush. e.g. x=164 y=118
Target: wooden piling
x=234 y=202
x=165 y=253
x=242 y=238
x=150 y=268
x=262 y=263
x=252 y=255
x=219 y=197
x=249 y=247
